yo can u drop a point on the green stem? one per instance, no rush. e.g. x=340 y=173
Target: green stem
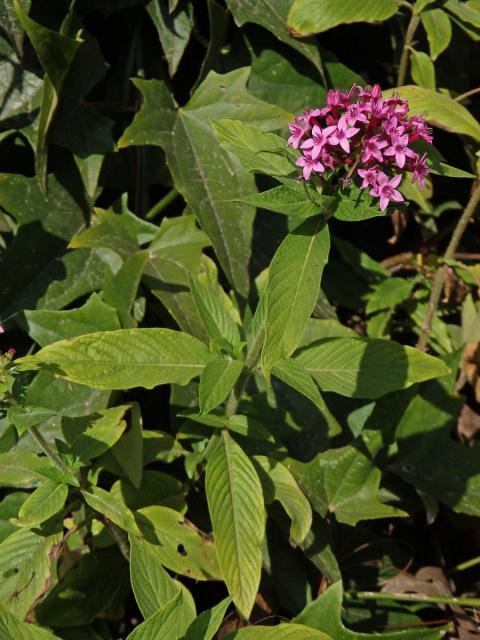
x=162 y=204
x=402 y=69
x=465 y=565
x=48 y=451
x=251 y=361
x=449 y=254
x=414 y=597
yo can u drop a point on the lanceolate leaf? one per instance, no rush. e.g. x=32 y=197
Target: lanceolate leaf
x=169 y=623
x=216 y=382
x=152 y=585
x=439 y=30
x=292 y=289
x=440 y=110
x=235 y=502
x=279 y=484
x=314 y=16
x=367 y=368
x=43 y=503
x=124 y=359
x=173 y=30
x=207 y=624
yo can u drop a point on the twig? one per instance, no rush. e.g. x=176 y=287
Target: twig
x=467 y=94
x=439 y=278
x=465 y=565
x=411 y=29
x=414 y=597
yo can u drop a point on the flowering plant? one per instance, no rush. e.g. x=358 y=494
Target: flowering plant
x=359 y=134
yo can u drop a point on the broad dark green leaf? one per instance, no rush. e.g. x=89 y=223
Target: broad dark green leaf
x=388 y=293
x=56 y=52
x=115 y=510
x=208 y=182
x=128 y=451
x=120 y=289
x=235 y=502
x=279 y=632
x=307 y=17
x=173 y=29
x=292 y=288
x=325 y=614
x=285 y=199
x=98 y=433
x=124 y=359
x=345 y=482
x=272 y=14
x=367 y=368
x=24 y=469
x=207 y=624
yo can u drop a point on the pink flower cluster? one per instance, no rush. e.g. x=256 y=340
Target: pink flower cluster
x=366 y=135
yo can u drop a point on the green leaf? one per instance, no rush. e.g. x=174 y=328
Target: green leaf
x=279 y=632
x=307 y=17
x=279 y=484
x=464 y=11
x=287 y=200
x=208 y=182
x=115 y=510
x=24 y=469
x=13 y=628
x=29 y=416
x=11 y=24
x=181 y=547
x=175 y=253
x=47 y=500
x=388 y=293
x=214 y=306
x=216 y=382
x=46 y=327
x=293 y=287
x=120 y=289
x=122 y=232
x=442 y=468
x=56 y=52
x=273 y=16
x=152 y=585
x=235 y=502
x=30 y=562
x=207 y=624
x=257 y=151
x=345 y=482
x=77 y=125
x=128 y=451
x=367 y=368
x=173 y=29
x=439 y=110
x=124 y=359
x=156 y=488
x=423 y=69
x=439 y=30
x=324 y=614
x=169 y=623
x=296 y=376
x=101 y=432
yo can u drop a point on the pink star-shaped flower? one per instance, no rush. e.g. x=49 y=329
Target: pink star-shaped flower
x=319 y=139
x=309 y=164
x=399 y=149
x=385 y=189
x=342 y=134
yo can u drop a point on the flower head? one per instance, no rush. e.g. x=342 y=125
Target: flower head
x=359 y=135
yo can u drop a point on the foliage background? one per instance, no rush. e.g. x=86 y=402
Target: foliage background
x=119 y=201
